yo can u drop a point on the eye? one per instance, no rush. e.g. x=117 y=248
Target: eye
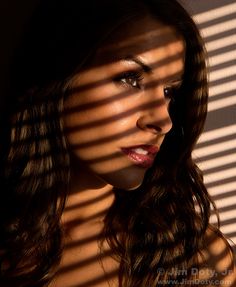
x=171 y=91
x=131 y=79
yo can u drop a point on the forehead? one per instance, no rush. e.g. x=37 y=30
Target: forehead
x=143 y=36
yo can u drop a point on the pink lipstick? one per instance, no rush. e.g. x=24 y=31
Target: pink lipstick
x=141 y=155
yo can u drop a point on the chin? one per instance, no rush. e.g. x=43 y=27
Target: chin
x=125 y=178
x=127 y=185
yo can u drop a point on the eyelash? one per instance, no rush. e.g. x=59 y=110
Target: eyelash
x=170 y=92
x=131 y=79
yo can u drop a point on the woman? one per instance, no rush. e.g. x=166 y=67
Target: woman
x=110 y=98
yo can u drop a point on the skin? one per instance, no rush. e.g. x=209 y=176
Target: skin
x=104 y=112
x=121 y=111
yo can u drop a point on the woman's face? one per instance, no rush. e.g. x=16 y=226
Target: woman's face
x=116 y=116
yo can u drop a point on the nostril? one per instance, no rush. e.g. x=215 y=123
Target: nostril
x=150 y=123
x=153 y=127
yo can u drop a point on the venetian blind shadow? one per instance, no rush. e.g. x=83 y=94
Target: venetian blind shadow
x=216 y=151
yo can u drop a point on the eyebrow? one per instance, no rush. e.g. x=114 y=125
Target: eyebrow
x=147 y=69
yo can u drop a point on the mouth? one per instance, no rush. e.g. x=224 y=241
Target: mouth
x=141 y=155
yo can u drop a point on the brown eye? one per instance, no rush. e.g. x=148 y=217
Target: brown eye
x=131 y=79
x=171 y=90
x=169 y=93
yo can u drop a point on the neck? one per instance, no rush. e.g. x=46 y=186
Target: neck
x=88 y=201
x=84 y=259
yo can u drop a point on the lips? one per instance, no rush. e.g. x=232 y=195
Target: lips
x=141 y=155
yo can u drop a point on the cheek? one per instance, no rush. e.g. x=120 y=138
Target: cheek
x=106 y=161
x=96 y=118
x=95 y=131
x=96 y=127
x=98 y=148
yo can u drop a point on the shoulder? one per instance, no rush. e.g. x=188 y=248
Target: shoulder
x=217 y=260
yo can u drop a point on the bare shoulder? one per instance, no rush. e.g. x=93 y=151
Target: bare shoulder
x=217 y=263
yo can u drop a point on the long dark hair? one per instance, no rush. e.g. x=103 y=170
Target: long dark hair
x=163 y=222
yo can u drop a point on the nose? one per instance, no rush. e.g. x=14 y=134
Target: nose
x=155 y=118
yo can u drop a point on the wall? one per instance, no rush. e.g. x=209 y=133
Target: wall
x=216 y=151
